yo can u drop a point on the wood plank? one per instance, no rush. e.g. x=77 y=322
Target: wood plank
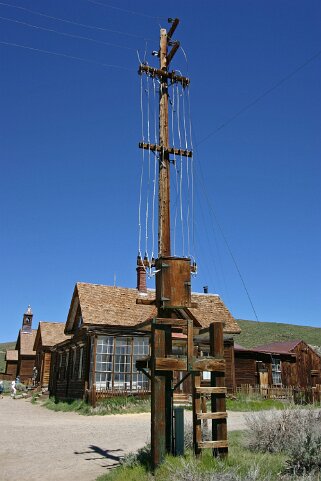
x=197 y=423
x=146 y=302
x=209 y=364
x=170 y=364
x=190 y=344
x=216 y=415
x=218 y=403
x=158 y=408
x=212 y=390
x=173 y=322
x=213 y=444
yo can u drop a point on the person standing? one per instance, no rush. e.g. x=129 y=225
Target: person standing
x=13 y=388
x=1 y=389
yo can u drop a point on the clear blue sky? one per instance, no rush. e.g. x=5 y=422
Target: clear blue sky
x=70 y=165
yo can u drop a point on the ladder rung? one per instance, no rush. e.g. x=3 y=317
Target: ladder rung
x=211 y=390
x=212 y=444
x=218 y=415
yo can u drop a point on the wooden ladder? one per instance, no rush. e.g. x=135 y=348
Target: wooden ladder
x=217 y=392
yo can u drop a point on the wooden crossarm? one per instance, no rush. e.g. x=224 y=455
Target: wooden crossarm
x=167 y=150
x=163 y=74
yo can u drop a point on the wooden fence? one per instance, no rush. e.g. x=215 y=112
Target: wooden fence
x=95 y=395
x=311 y=395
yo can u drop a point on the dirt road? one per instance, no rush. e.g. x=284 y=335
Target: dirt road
x=41 y=445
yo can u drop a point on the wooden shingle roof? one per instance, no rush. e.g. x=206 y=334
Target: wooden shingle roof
x=50 y=333
x=116 y=306
x=26 y=342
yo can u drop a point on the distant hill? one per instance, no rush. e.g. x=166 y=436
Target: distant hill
x=3 y=347
x=256 y=333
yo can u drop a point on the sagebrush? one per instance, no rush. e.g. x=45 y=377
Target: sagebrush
x=295 y=432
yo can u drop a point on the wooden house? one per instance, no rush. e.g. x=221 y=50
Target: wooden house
x=302 y=370
x=11 y=364
x=109 y=332
x=48 y=334
x=24 y=346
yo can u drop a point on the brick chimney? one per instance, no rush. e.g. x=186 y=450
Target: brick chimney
x=141 y=277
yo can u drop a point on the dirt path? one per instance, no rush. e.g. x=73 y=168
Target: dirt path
x=41 y=445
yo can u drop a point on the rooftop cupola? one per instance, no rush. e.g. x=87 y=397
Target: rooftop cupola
x=27 y=320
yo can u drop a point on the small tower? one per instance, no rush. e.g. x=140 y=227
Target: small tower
x=27 y=320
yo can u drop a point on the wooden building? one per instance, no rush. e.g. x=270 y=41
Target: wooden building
x=24 y=346
x=48 y=334
x=278 y=364
x=11 y=364
x=302 y=370
x=109 y=332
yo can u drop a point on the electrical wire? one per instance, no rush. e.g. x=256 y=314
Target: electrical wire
x=64 y=55
x=142 y=169
x=181 y=171
x=107 y=5
x=192 y=165
x=71 y=22
x=187 y=176
x=172 y=104
x=38 y=27
x=214 y=217
x=148 y=180
x=155 y=171
x=261 y=96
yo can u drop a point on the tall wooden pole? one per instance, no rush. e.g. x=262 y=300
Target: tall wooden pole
x=164 y=243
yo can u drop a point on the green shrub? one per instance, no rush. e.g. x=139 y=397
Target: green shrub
x=112 y=405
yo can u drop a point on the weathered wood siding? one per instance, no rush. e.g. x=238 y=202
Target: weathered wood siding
x=307 y=362
x=25 y=368
x=68 y=379
x=230 y=366
x=245 y=370
x=45 y=368
x=11 y=369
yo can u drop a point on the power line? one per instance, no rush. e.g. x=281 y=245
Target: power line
x=93 y=27
x=107 y=5
x=260 y=97
x=57 y=54
x=226 y=241
x=108 y=44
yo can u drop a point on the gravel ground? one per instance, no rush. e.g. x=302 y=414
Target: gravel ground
x=41 y=445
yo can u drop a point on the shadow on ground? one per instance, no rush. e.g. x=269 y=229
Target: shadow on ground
x=103 y=454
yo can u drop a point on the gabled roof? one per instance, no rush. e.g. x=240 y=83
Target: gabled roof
x=11 y=355
x=50 y=333
x=25 y=342
x=278 y=347
x=116 y=306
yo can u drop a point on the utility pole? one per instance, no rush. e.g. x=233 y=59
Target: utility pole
x=173 y=286
x=164 y=243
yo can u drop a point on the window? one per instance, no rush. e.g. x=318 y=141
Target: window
x=276 y=371
x=66 y=364
x=116 y=363
x=81 y=354
x=73 y=367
